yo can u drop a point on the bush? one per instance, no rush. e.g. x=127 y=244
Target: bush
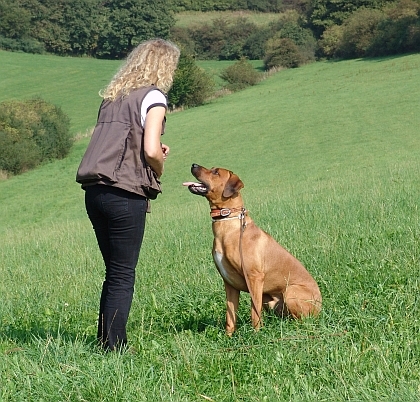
x=399 y=32
x=223 y=39
x=282 y=52
x=330 y=41
x=17 y=156
x=192 y=86
x=21 y=45
x=209 y=39
x=359 y=31
x=253 y=47
x=289 y=26
x=182 y=38
x=240 y=75
x=236 y=36
x=32 y=131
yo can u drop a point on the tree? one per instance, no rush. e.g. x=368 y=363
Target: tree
x=192 y=85
x=131 y=22
x=84 y=22
x=359 y=31
x=325 y=13
x=14 y=20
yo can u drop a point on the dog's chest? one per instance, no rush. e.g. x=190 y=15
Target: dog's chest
x=218 y=259
x=228 y=273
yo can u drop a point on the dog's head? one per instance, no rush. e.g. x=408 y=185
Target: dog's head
x=218 y=185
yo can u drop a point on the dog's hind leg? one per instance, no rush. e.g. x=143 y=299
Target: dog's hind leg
x=277 y=304
x=302 y=301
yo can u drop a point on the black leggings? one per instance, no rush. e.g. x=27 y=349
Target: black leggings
x=118 y=218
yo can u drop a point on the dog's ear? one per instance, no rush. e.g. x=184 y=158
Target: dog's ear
x=233 y=185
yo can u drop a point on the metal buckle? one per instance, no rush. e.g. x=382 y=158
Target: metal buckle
x=225 y=212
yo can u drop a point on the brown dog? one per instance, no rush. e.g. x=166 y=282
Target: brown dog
x=250 y=260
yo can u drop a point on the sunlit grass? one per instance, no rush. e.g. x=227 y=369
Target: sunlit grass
x=192 y=18
x=329 y=154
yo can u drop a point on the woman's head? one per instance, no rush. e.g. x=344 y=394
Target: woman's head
x=151 y=63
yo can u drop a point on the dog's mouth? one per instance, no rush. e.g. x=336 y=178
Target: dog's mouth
x=196 y=188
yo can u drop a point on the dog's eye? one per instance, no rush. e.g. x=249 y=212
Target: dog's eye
x=216 y=172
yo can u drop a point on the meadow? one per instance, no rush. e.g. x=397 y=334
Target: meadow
x=187 y=19
x=330 y=157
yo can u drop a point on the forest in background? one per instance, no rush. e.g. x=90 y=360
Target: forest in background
x=305 y=30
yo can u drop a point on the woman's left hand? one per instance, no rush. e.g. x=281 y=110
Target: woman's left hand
x=165 y=151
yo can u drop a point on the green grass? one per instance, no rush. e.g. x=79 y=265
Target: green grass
x=329 y=154
x=193 y=18
x=62 y=81
x=71 y=83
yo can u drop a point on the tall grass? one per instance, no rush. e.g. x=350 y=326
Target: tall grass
x=329 y=154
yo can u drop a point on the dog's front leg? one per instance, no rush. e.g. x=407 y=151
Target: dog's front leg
x=232 y=302
x=255 y=287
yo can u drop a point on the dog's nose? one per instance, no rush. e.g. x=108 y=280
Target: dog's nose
x=195 y=168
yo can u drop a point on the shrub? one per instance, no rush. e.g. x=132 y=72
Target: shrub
x=253 y=47
x=282 y=52
x=182 y=38
x=413 y=41
x=236 y=36
x=223 y=39
x=21 y=45
x=399 y=32
x=330 y=41
x=192 y=86
x=17 y=156
x=209 y=39
x=32 y=131
x=290 y=26
x=240 y=75
x=359 y=31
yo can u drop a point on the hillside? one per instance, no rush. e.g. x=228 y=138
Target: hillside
x=329 y=154
x=308 y=126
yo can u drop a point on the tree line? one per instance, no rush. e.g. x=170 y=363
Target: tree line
x=305 y=29
x=97 y=28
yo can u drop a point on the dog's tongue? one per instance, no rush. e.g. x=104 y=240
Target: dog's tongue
x=190 y=183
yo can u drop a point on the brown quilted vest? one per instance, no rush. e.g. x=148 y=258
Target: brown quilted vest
x=115 y=156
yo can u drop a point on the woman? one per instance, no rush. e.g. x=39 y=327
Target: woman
x=123 y=160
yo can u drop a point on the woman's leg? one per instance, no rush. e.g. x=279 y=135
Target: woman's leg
x=118 y=218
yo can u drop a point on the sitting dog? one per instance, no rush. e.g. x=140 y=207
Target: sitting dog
x=248 y=259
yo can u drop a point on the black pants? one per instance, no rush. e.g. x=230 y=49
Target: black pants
x=118 y=218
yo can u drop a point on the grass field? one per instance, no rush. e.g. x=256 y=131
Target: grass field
x=71 y=83
x=330 y=157
x=192 y=18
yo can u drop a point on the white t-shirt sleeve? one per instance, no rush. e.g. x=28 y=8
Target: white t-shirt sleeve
x=152 y=99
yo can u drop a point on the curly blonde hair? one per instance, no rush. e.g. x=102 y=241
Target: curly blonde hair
x=150 y=63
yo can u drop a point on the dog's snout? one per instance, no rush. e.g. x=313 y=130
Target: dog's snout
x=195 y=168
